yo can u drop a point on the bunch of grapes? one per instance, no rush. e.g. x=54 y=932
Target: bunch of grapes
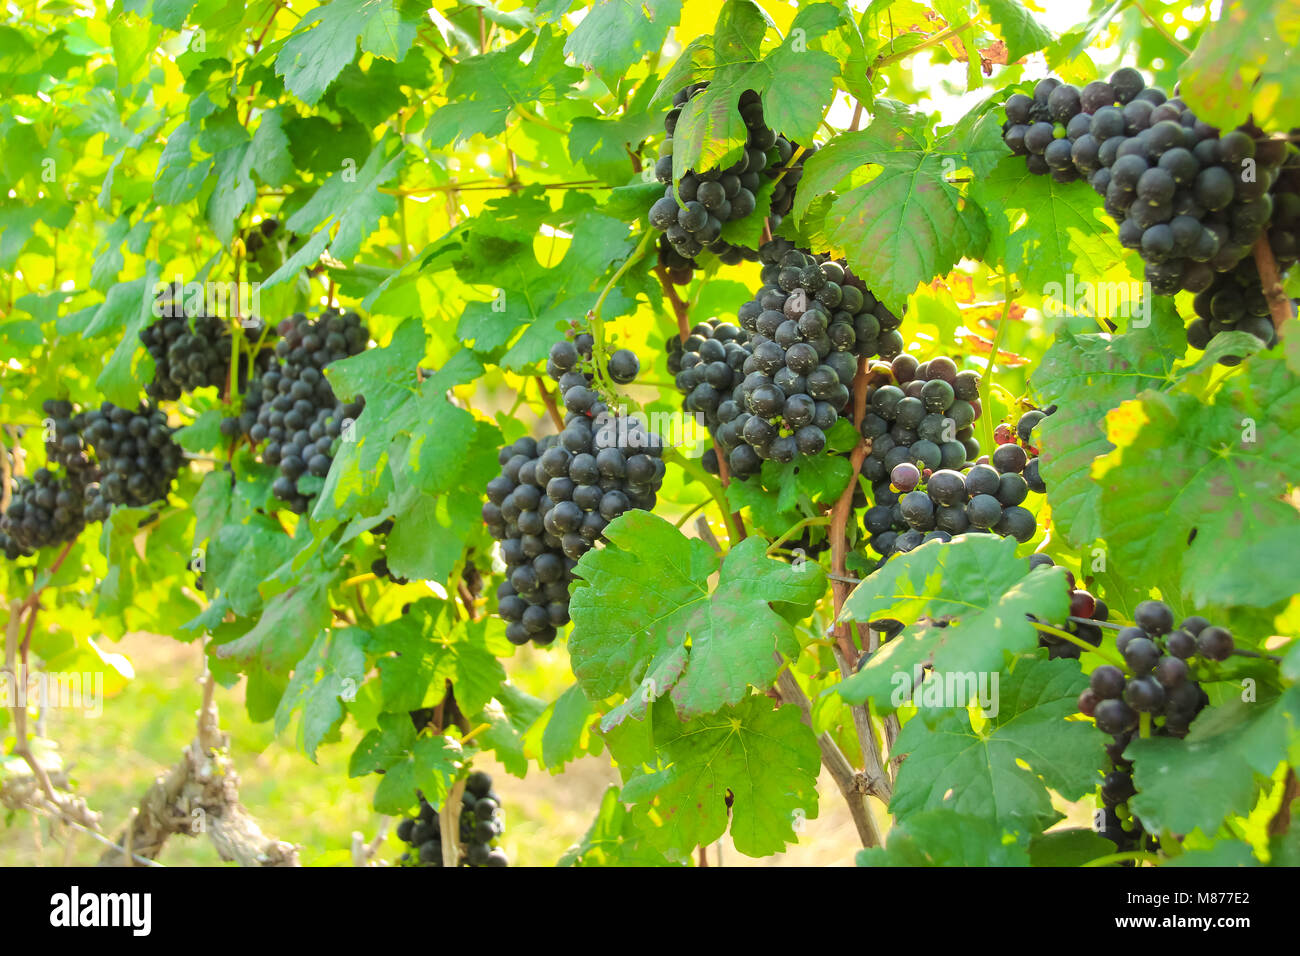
x=298 y=415
x=1234 y=301
x=1192 y=201
x=481 y=824
x=707 y=367
x=1022 y=438
x=193 y=353
x=137 y=458
x=554 y=496
x=1159 y=679
x=713 y=197
x=1084 y=607
x=808 y=325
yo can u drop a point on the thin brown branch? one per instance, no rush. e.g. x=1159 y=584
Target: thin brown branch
x=1281 y=821
x=549 y=401
x=680 y=309
x=449 y=821
x=1279 y=306
x=840 y=513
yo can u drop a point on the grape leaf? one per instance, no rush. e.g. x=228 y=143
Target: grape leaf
x=906 y=225
x=1045 y=231
x=944 y=838
x=1245 y=65
x=646 y=593
x=1069 y=847
x=615 y=838
x=1085 y=376
x=765 y=758
x=1195 y=486
x=983 y=773
x=1020 y=31
x=427 y=764
x=1193 y=783
x=977 y=582
x=615 y=34
x=329 y=674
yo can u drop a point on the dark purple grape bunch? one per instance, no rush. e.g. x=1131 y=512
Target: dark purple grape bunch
x=712 y=198
x=706 y=367
x=193 y=352
x=1159 y=679
x=481 y=826
x=298 y=416
x=1084 y=608
x=555 y=495
x=916 y=505
x=1235 y=301
x=1022 y=454
x=49 y=507
x=1192 y=201
x=808 y=326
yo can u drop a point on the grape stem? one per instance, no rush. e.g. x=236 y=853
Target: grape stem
x=549 y=401
x=1144 y=724
x=599 y=350
x=940 y=37
x=986 y=381
x=1136 y=855
x=1160 y=28
x=1279 y=306
x=1078 y=642
x=680 y=309
x=796 y=527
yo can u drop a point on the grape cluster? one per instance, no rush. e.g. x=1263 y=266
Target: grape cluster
x=708 y=365
x=1084 y=607
x=1234 y=301
x=298 y=415
x=1160 y=681
x=808 y=325
x=44 y=510
x=137 y=458
x=555 y=495
x=714 y=197
x=481 y=824
x=1192 y=201
x=1022 y=438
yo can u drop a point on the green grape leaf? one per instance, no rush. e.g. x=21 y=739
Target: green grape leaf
x=1069 y=847
x=325 y=41
x=615 y=34
x=1195 y=486
x=508 y=717
x=1245 y=65
x=646 y=593
x=1193 y=783
x=409 y=763
x=1045 y=231
x=289 y=624
x=978 y=584
x=1020 y=31
x=328 y=675
x=944 y=838
x=615 y=838
x=906 y=225
x=765 y=758
x=983 y=773
x=1085 y=376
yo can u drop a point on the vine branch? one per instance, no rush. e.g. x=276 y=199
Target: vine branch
x=1279 y=306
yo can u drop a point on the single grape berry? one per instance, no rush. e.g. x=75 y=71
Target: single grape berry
x=1154 y=617
x=1215 y=643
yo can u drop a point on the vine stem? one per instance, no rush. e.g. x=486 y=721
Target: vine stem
x=1137 y=855
x=986 y=381
x=1279 y=306
x=840 y=514
x=796 y=527
x=680 y=309
x=1160 y=28
x=549 y=401
x=598 y=351
x=21 y=747
x=1080 y=643
x=941 y=37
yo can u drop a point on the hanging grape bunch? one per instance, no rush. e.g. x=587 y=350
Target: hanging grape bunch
x=1191 y=200
x=136 y=454
x=481 y=824
x=555 y=495
x=1235 y=301
x=298 y=415
x=190 y=353
x=706 y=369
x=1084 y=607
x=808 y=325
x=49 y=508
x=712 y=198
x=1160 y=682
